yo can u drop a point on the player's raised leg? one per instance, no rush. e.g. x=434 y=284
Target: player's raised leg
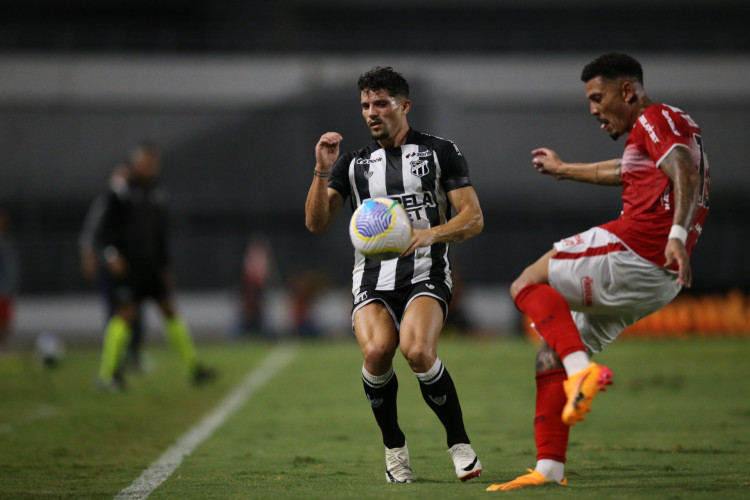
x=419 y=333
x=377 y=337
x=552 y=318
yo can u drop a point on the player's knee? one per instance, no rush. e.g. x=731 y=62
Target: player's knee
x=127 y=311
x=519 y=284
x=420 y=357
x=377 y=355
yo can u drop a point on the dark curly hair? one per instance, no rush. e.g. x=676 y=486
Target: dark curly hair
x=613 y=65
x=384 y=78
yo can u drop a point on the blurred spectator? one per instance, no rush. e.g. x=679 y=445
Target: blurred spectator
x=305 y=288
x=9 y=277
x=94 y=267
x=257 y=268
x=133 y=234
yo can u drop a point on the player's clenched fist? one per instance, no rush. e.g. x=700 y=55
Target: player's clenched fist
x=327 y=150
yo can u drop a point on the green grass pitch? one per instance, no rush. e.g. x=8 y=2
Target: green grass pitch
x=675 y=425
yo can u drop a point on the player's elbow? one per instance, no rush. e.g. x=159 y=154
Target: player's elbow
x=477 y=224
x=315 y=226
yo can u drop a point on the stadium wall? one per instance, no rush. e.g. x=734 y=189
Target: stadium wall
x=238 y=134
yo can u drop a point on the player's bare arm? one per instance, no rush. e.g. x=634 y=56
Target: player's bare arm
x=682 y=171
x=323 y=203
x=468 y=222
x=604 y=173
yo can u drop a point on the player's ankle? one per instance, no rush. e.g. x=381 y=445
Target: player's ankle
x=551 y=469
x=575 y=362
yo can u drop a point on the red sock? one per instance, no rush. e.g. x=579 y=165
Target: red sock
x=550 y=433
x=551 y=316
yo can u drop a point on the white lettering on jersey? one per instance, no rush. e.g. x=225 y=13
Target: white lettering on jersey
x=649 y=128
x=671 y=123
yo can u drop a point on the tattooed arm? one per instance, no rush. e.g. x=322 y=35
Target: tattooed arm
x=682 y=171
x=605 y=173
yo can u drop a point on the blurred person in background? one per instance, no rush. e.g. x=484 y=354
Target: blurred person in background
x=585 y=291
x=10 y=274
x=95 y=269
x=258 y=269
x=133 y=235
x=402 y=303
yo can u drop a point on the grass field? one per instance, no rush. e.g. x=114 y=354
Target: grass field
x=675 y=425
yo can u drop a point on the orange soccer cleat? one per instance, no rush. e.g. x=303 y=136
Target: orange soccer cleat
x=581 y=387
x=533 y=478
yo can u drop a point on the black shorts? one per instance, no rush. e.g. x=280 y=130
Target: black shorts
x=136 y=286
x=396 y=301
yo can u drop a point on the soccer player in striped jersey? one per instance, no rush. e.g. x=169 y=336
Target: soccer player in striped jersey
x=591 y=286
x=402 y=303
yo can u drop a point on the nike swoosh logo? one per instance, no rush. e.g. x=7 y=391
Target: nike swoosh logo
x=471 y=466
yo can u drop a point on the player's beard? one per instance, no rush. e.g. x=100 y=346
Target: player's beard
x=383 y=134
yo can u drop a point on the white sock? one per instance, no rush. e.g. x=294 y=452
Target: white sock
x=551 y=469
x=377 y=380
x=575 y=362
x=433 y=374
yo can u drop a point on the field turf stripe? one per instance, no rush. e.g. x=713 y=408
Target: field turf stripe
x=161 y=469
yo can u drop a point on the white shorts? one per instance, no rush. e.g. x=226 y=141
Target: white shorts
x=607 y=285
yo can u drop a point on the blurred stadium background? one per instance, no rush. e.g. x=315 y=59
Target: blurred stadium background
x=237 y=94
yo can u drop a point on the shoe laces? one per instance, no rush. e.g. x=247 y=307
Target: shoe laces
x=397 y=460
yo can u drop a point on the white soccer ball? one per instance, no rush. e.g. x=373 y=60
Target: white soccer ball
x=380 y=229
x=50 y=349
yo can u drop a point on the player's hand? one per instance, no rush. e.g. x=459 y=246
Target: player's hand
x=117 y=266
x=546 y=161
x=676 y=252
x=420 y=238
x=327 y=151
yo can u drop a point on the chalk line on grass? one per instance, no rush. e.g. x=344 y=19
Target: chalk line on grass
x=164 y=466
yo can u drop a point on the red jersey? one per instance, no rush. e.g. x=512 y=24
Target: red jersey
x=647 y=192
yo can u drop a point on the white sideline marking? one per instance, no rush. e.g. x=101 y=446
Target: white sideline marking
x=161 y=469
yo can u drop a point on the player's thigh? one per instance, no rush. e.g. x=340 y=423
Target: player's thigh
x=376 y=333
x=631 y=304
x=420 y=329
x=616 y=283
x=535 y=273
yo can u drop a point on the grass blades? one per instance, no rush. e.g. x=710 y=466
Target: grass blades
x=675 y=424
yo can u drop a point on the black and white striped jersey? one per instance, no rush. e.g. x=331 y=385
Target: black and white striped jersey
x=419 y=175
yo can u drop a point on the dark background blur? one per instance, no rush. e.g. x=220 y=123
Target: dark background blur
x=237 y=94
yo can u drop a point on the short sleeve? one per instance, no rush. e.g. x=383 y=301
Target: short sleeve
x=663 y=129
x=455 y=169
x=340 y=176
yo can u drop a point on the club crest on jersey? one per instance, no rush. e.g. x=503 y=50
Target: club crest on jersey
x=368 y=174
x=420 y=168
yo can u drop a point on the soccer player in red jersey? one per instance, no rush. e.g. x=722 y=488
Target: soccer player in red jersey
x=586 y=290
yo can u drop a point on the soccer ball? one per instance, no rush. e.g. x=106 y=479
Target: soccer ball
x=50 y=350
x=380 y=229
